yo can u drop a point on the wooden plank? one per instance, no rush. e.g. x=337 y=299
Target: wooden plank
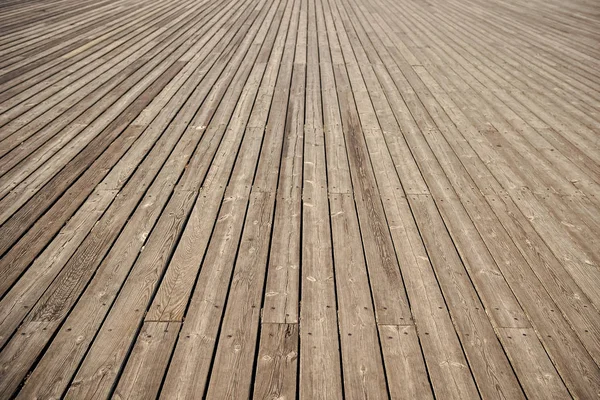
x=276 y=362
x=538 y=378
x=406 y=239
x=504 y=372
x=320 y=374
x=40 y=85
x=13 y=99
x=33 y=151
x=149 y=358
x=404 y=365
x=231 y=372
x=24 y=294
x=361 y=358
x=505 y=308
x=515 y=228
x=338 y=172
x=156 y=161
x=282 y=287
x=19 y=256
x=568 y=295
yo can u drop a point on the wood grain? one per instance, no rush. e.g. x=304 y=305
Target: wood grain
x=313 y=199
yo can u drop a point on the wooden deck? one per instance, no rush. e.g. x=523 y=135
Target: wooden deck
x=315 y=199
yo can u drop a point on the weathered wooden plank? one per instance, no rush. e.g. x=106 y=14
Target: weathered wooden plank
x=282 y=287
x=276 y=362
x=361 y=358
x=142 y=376
x=231 y=372
x=319 y=370
x=404 y=365
x=538 y=377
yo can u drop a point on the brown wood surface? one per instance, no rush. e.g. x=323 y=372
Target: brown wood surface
x=314 y=199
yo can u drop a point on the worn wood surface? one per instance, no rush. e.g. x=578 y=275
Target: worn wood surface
x=316 y=199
